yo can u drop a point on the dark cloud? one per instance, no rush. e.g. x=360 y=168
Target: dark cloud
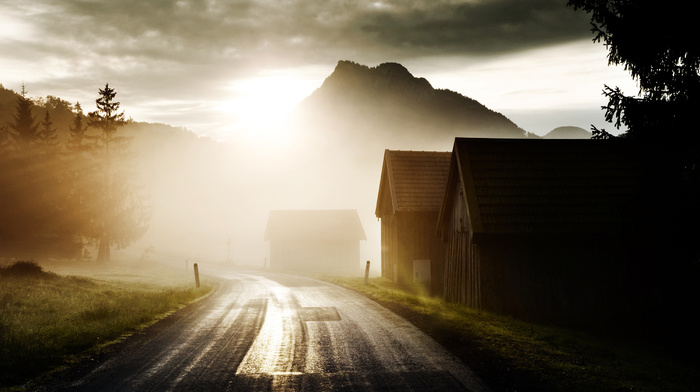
x=477 y=28
x=210 y=30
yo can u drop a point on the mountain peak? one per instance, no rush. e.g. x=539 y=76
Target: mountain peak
x=568 y=132
x=394 y=69
x=353 y=79
x=386 y=104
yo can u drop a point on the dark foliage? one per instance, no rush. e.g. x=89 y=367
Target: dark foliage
x=24 y=128
x=655 y=42
x=47 y=137
x=52 y=196
x=25 y=269
x=77 y=137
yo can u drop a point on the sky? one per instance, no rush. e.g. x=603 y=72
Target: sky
x=228 y=69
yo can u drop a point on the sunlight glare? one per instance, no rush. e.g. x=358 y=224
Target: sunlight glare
x=260 y=104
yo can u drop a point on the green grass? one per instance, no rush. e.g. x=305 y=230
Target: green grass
x=513 y=355
x=48 y=320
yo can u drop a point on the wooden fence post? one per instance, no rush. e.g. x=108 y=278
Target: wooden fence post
x=367 y=273
x=196 y=274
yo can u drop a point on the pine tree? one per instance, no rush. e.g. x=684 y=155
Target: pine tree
x=656 y=43
x=24 y=129
x=77 y=132
x=47 y=138
x=81 y=176
x=120 y=216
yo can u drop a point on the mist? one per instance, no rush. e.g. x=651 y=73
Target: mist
x=205 y=193
x=209 y=200
x=327 y=155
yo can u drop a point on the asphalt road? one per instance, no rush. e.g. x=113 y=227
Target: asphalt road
x=275 y=332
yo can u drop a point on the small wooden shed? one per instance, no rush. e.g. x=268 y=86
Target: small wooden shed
x=316 y=241
x=411 y=189
x=547 y=229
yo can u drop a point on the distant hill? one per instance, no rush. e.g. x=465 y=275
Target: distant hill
x=387 y=107
x=568 y=133
x=190 y=182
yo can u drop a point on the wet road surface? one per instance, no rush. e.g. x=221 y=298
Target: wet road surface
x=275 y=332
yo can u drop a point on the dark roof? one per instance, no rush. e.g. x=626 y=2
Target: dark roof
x=548 y=186
x=413 y=180
x=314 y=225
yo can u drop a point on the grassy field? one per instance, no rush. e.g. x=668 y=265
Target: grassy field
x=49 y=320
x=511 y=355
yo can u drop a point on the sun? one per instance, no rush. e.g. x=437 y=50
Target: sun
x=260 y=104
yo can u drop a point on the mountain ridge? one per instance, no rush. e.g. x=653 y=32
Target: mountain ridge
x=388 y=96
x=568 y=132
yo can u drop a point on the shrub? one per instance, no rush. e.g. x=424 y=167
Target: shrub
x=24 y=269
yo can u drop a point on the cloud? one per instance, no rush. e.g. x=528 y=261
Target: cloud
x=475 y=28
x=188 y=36
x=192 y=31
x=190 y=50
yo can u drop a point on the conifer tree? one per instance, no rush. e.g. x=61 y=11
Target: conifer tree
x=47 y=138
x=77 y=131
x=119 y=215
x=81 y=177
x=24 y=129
x=657 y=44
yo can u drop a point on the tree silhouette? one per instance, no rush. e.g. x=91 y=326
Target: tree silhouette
x=657 y=45
x=119 y=214
x=81 y=176
x=47 y=138
x=4 y=138
x=23 y=128
x=77 y=131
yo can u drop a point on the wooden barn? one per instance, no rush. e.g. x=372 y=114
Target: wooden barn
x=411 y=189
x=316 y=241
x=550 y=230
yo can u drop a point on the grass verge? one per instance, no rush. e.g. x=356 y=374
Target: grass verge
x=511 y=355
x=48 y=320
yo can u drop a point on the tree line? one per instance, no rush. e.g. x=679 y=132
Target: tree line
x=56 y=198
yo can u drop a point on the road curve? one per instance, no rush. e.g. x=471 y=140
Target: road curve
x=275 y=332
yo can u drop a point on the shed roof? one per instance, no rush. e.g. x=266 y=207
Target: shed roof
x=413 y=181
x=314 y=225
x=548 y=186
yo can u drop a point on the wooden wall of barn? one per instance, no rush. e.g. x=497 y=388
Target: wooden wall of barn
x=566 y=279
x=389 y=244
x=340 y=257
x=462 y=270
x=409 y=236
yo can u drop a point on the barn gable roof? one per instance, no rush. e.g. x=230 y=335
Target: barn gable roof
x=412 y=181
x=547 y=186
x=314 y=225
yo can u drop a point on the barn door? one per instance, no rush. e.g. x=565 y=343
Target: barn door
x=421 y=272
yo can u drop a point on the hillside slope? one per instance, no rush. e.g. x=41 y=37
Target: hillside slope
x=387 y=106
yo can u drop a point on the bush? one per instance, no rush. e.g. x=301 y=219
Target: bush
x=24 y=269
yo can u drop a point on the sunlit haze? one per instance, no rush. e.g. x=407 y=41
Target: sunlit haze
x=257 y=106
x=233 y=71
